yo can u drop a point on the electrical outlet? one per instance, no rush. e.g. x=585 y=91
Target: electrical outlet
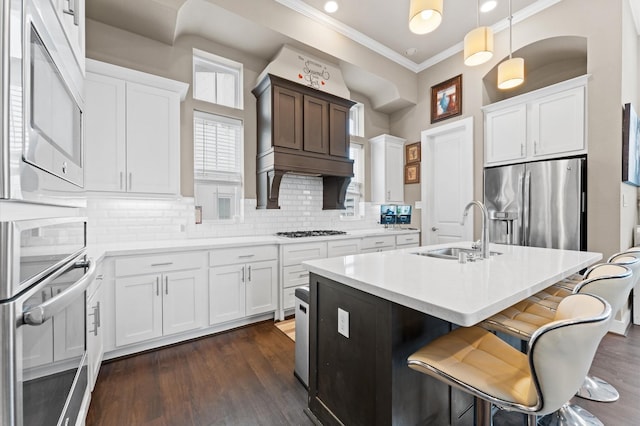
x=343 y=322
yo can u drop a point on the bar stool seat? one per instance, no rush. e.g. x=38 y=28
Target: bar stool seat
x=537 y=383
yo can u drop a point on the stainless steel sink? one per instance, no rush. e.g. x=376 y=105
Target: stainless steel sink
x=454 y=253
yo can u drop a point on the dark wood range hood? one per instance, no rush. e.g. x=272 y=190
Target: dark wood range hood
x=304 y=131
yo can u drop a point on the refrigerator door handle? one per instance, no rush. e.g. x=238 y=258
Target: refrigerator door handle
x=526 y=208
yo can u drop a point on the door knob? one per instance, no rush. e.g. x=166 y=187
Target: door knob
x=434 y=229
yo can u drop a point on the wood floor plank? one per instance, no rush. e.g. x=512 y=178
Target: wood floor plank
x=245 y=377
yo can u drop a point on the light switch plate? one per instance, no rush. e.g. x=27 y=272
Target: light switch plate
x=343 y=322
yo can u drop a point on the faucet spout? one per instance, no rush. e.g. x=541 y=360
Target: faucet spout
x=484 y=236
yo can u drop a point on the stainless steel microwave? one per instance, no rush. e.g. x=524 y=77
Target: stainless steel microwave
x=41 y=155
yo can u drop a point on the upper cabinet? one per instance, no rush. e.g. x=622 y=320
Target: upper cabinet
x=301 y=130
x=132 y=131
x=542 y=124
x=387 y=169
x=71 y=15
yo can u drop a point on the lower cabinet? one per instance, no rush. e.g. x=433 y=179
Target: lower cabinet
x=246 y=289
x=95 y=342
x=378 y=243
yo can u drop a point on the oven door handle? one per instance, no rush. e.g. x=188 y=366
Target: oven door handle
x=41 y=313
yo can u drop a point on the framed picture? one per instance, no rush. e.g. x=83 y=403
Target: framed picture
x=412 y=173
x=412 y=153
x=630 y=146
x=446 y=99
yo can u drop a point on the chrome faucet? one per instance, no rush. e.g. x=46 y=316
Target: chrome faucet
x=484 y=237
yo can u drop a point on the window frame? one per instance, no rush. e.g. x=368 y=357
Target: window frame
x=358 y=178
x=205 y=58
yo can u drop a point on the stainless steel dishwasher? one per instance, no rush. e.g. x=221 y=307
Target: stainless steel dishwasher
x=301 y=369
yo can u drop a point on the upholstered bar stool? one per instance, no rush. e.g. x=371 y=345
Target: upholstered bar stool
x=612 y=282
x=537 y=383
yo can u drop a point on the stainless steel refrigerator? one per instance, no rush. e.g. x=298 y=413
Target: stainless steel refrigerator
x=538 y=204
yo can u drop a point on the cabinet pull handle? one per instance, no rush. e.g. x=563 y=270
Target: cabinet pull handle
x=157 y=286
x=162 y=264
x=130 y=179
x=388 y=195
x=166 y=285
x=249 y=273
x=97 y=310
x=121 y=176
x=522 y=149
x=245 y=256
x=306 y=274
x=96 y=319
x=242 y=279
x=72 y=9
x=535 y=147
x=379 y=242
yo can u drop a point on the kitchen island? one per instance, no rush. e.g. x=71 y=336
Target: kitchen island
x=369 y=312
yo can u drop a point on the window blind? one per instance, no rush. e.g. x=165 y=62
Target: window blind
x=217 y=147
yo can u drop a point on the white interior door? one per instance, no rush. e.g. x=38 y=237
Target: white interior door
x=447 y=177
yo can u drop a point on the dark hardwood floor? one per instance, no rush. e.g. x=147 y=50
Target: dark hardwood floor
x=245 y=377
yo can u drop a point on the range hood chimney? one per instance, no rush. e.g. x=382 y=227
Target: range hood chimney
x=303 y=127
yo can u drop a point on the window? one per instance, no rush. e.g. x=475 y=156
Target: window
x=356 y=120
x=217 y=164
x=354 y=198
x=217 y=80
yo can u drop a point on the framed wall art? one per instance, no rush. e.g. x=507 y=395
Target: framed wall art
x=630 y=146
x=412 y=173
x=412 y=153
x=446 y=99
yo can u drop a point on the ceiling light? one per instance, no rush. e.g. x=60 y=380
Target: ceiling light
x=331 y=6
x=511 y=71
x=424 y=15
x=488 y=6
x=478 y=44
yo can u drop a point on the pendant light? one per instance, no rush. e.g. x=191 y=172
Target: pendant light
x=424 y=15
x=478 y=43
x=511 y=71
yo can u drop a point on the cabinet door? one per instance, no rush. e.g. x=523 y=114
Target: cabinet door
x=153 y=139
x=105 y=140
x=95 y=342
x=394 y=173
x=37 y=341
x=226 y=293
x=287 y=118
x=316 y=125
x=138 y=309
x=506 y=134
x=338 y=130
x=182 y=301
x=261 y=280
x=73 y=23
x=558 y=123
x=69 y=329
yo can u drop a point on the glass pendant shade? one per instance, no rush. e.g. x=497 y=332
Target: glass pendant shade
x=478 y=46
x=424 y=15
x=510 y=73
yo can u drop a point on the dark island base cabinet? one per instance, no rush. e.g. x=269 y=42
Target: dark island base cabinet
x=364 y=379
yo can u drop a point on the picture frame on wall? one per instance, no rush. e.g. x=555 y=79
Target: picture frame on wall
x=412 y=153
x=446 y=99
x=412 y=173
x=630 y=146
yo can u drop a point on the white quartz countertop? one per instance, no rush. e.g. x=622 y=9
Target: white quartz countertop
x=461 y=293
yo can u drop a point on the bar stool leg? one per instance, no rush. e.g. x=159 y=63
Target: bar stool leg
x=597 y=389
x=570 y=415
x=482 y=412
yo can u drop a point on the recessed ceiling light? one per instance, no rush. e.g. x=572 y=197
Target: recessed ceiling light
x=488 y=6
x=331 y=6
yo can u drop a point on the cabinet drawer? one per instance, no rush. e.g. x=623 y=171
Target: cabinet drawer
x=294 y=275
x=343 y=247
x=293 y=254
x=242 y=255
x=289 y=297
x=140 y=265
x=407 y=239
x=378 y=242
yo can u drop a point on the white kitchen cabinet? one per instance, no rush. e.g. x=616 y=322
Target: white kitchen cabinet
x=242 y=282
x=546 y=123
x=387 y=169
x=132 y=131
x=408 y=240
x=378 y=243
x=343 y=247
x=95 y=342
x=68 y=332
x=72 y=16
x=293 y=274
x=167 y=301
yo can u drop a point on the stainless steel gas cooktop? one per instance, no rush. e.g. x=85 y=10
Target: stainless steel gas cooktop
x=315 y=233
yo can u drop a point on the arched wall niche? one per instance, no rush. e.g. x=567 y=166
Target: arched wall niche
x=546 y=62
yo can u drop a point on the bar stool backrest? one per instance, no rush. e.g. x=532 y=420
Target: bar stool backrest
x=630 y=259
x=611 y=281
x=561 y=352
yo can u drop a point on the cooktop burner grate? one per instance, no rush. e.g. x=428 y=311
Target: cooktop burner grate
x=315 y=233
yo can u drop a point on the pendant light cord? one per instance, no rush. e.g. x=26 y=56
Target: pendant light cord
x=510 y=36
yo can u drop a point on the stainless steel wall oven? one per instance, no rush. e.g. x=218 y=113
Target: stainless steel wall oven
x=41 y=151
x=43 y=358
